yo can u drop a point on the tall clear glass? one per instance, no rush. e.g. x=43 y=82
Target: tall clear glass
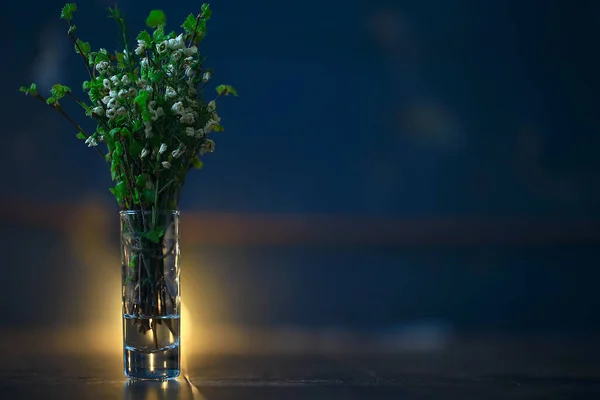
x=151 y=294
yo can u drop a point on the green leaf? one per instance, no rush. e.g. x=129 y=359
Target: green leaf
x=67 y=11
x=225 y=90
x=118 y=149
x=133 y=261
x=119 y=191
x=189 y=24
x=84 y=46
x=197 y=163
x=59 y=91
x=155 y=234
x=31 y=90
x=206 y=11
x=71 y=29
x=157 y=18
x=81 y=136
x=135 y=148
x=145 y=36
x=51 y=100
x=218 y=128
x=157 y=76
x=141 y=180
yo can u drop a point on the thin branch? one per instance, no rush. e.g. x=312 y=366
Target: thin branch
x=69 y=119
x=85 y=61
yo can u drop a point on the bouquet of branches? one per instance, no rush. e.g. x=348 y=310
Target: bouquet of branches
x=153 y=125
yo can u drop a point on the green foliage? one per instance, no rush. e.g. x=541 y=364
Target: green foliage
x=31 y=90
x=82 y=47
x=67 y=11
x=155 y=234
x=148 y=107
x=156 y=18
x=225 y=90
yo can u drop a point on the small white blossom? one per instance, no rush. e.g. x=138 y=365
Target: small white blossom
x=112 y=103
x=159 y=113
x=189 y=71
x=199 y=133
x=178 y=152
x=207 y=147
x=122 y=93
x=190 y=131
x=90 y=141
x=177 y=108
x=161 y=47
x=209 y=125
x=163 y=148
x=206 y=77
x=102 y=66
x=166 y=164
x=142 y=43
x=151 y=105
x=144 y=153
x=106 y=83
x=106 y=99
x=113 y=93
x=132 y=92
x=170 y=92
x=176 y=56
x=190 y=51
x=125 y=80
x=212 y=106
x=144 y=62
x=98 y=110
x=187 y=118
x=148 y=129
x=141 y=83
x=149 y=89
x=110 y=113
x=115 y=80
x=216 y=118
x=170 y=70
x=176 y=43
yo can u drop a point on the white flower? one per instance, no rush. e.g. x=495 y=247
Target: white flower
x=144 y=62
x=170 y=70
x=148 y=129
x=144 y=153
x=207 y=147
x=178 y=152
x=115 y=80
x=158 y=113
x=112 y=103
x=170 y=92
x=149 y=89
x=166 y=164
x=151 y=105
x=132 y=92
x=190 y=51
x=190 y=131
x=101 y=66
x=139 y=50
x=199 y=133
x=142 y=44
x=189 y=71
x=176 y=43
x=187 y=118
x=110 y=113
x=106 y=83
x=90 y=141
x=177 y=108
x=122 y=92
x=163 y=148
x=176 y=56
x=216 y=118
x=106 y=99
x=113 y=93
x=212 y=106
x=125 y=80
x=206 y=77
x=98 y=110
x=142 y=82
x=209 y=125
x=162 y=47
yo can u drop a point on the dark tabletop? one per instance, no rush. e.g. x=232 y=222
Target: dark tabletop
x=515 y=369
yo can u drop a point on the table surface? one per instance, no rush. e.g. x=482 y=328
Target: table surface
x=523 y=369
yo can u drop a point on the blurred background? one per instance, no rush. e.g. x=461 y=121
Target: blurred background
x=395 y=174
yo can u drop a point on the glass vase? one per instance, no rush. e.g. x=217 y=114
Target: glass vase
x=151 y=298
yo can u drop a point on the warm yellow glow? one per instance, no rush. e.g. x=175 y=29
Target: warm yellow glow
x=151 y=360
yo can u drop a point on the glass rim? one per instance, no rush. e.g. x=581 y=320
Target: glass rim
x=137 y=212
